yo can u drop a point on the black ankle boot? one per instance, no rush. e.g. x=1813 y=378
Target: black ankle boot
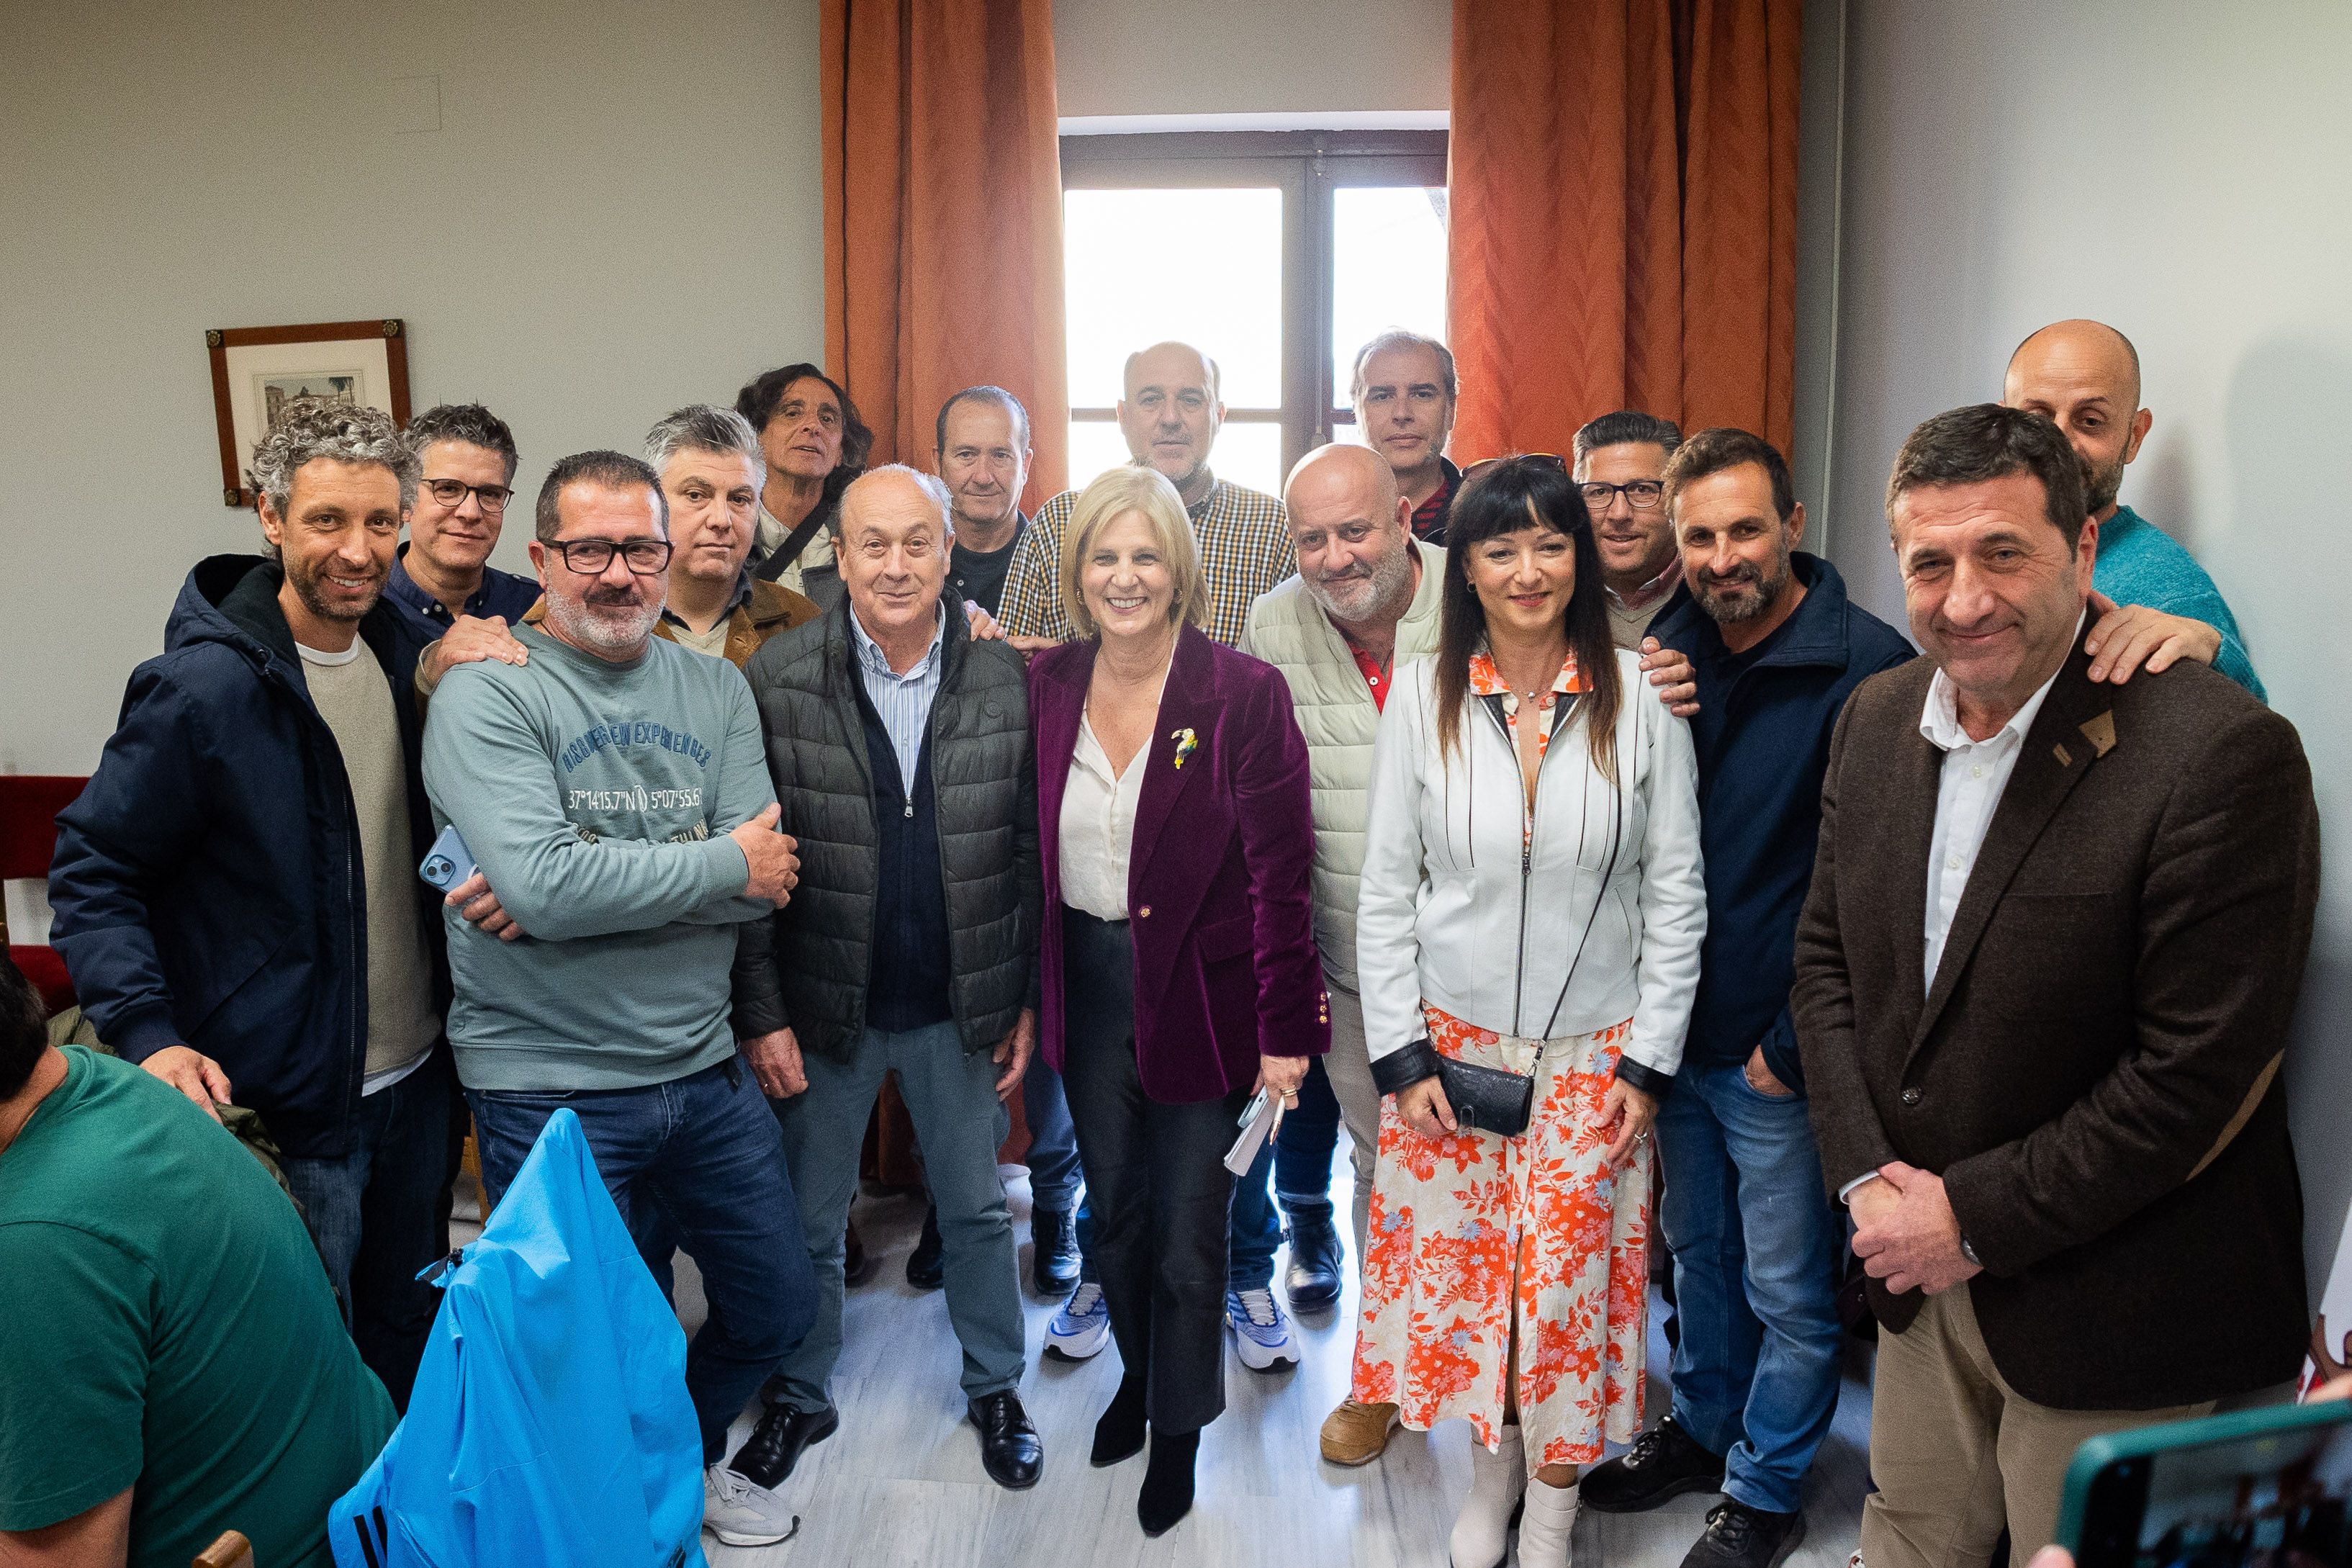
x=1167 y=1494
x=1119 y=1433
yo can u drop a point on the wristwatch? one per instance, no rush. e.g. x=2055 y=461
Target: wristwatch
x=1969 y=1251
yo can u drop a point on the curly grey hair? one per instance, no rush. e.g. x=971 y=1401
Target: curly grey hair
x=704 y=428
x=313 y=428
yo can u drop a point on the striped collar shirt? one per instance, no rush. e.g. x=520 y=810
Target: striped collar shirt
x=903 y=702
x=1246 y=551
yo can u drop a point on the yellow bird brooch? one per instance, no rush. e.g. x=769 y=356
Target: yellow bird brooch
x=1186 y=744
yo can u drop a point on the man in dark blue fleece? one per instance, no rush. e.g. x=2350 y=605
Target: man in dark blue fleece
x=237 y=894
x=1777 y=648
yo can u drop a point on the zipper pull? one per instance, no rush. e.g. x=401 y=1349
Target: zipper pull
x=910 y=805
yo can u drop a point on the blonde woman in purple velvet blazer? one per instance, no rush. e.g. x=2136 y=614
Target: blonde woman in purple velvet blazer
x=1179 y=966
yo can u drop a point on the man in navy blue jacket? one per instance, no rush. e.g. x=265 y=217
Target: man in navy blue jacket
x=1777 y=648
x=237 y=892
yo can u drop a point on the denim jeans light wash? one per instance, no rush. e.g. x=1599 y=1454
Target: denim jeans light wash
x=1754 y=1246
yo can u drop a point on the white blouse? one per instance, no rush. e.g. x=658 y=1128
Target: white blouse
x=1099 y=828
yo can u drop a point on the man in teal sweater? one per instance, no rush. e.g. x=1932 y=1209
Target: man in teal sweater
x=2084 y=376
x=614 y=789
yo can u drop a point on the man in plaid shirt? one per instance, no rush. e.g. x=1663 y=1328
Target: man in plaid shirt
x=1170 y=416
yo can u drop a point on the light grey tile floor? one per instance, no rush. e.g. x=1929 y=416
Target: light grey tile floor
x=900 y=1484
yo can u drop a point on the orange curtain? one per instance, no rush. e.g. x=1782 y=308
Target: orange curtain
x=943 y=217
x=1624 y=205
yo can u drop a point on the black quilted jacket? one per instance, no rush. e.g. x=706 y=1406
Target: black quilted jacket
x=813 y=976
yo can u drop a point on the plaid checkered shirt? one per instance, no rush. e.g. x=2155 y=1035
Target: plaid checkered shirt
x=1245 y=549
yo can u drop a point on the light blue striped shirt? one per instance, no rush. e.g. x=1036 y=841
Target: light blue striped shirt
x=903 y=701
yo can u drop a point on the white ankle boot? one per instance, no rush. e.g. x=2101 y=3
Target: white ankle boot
x=1482 y=1531
x=1545 y=1528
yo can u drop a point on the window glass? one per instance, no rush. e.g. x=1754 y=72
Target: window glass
x=1204 y=266
x=1388 y=270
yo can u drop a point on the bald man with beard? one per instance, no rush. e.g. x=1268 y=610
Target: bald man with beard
x=2084 y=377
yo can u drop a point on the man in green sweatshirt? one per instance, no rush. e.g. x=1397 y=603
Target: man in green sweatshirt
x=615 y=792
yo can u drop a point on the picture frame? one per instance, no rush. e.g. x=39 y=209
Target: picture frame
x=256 y=369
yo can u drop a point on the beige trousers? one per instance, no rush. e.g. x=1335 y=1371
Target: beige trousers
x=1958 y=1454
x=1349 y=1069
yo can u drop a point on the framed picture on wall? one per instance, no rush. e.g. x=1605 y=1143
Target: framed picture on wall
x=258 y=370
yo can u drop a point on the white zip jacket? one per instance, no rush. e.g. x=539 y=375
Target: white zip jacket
x=1452 y=910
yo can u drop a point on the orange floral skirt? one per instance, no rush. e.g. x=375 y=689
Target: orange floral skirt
x=1477 y=1238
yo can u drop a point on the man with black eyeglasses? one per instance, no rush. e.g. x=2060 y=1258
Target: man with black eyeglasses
x=613 y=788
x=442 y=573
x=1620 y=461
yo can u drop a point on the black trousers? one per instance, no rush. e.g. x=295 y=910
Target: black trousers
x=1157 y=1183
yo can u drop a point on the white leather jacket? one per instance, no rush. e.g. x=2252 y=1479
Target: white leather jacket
x=1593 y=917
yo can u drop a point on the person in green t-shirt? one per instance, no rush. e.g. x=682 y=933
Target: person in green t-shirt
x=172 y=1362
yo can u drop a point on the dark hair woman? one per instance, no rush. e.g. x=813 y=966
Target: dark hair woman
x=1532 y=905
x=814 y=443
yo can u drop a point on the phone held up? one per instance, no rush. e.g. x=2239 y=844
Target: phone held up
x=2254 y=1489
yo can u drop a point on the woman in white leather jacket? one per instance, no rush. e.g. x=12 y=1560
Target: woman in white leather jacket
x=1532 y=903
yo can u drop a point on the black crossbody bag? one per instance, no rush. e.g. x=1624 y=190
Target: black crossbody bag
x=1495 y=1100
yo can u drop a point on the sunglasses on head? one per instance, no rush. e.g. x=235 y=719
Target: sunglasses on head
x=1541 y=459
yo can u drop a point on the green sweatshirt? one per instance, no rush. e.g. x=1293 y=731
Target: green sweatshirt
x=596 y=798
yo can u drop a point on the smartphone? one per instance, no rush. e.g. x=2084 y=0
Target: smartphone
x=2254 y=1489
x=448 y=863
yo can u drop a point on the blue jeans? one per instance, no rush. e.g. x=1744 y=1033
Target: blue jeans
x=375 y=1217
x=1054 y=1179
x=706 y=1148
x=1755 y=1250
x=1303 y=1148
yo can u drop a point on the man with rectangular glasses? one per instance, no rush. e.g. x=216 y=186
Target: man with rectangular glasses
x=1620 y=460
x=442 y=572
x=615 y=791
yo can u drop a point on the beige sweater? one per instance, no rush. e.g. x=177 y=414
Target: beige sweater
x=1289 y=630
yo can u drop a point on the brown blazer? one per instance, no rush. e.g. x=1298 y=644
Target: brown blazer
x=2094 y=1072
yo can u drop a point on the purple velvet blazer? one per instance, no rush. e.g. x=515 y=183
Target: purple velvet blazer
x=1226 y=969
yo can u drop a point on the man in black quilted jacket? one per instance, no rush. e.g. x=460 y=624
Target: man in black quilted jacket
x=900 y=753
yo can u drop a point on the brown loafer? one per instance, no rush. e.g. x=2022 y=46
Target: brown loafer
x=1357 y=1434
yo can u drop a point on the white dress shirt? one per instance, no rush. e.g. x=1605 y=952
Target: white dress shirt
x=1099 y=828
x=1975 y=774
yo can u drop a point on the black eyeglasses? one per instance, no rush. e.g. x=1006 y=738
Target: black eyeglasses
x=1640 y=494
x=453 y=493
x=593 y=557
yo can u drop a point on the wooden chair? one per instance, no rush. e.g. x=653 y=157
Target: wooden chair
x=29 y=804
x=231 y=1551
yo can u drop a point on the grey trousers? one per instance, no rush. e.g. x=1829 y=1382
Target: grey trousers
x=1349 y=1070
x=951 y=1095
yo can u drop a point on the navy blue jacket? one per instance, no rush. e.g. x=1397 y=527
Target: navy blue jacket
x=1762 y=735
x=207 y=882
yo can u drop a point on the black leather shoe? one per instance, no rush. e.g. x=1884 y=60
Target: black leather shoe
x=1054 y=1260
x=779 y=1439
x=927 y=1267
x=856 y=1268
x=1664 y=1462
x=1009 y=1449
x=1738 y=1536
x=1313 y=1281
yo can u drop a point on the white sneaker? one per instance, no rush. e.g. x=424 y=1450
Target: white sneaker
x=1082 y=1327
x=1261 y=1332
x=741 y=1512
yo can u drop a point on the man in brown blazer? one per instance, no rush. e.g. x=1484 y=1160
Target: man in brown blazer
x=2044 y=982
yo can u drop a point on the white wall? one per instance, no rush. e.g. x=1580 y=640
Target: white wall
x=1119 y=57
x=620 y=213
x=2180 y=169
